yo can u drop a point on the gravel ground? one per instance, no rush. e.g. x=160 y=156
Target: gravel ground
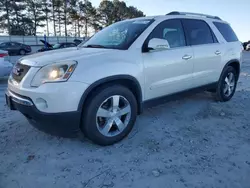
x=192 y=142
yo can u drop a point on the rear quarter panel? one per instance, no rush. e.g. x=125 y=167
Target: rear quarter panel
x=229 y=50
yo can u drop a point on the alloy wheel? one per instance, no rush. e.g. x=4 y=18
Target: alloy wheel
x=113 y=116
x=229 y=84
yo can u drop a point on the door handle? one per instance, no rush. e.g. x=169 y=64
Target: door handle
x=187 y=57
x=217 y=52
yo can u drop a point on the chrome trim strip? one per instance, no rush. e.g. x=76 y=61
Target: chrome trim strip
x=18 y=99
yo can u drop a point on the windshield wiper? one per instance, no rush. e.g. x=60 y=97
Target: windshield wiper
x=94 y=46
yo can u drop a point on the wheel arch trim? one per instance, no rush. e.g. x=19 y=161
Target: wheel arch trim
x=107 y=80
x=232 y=61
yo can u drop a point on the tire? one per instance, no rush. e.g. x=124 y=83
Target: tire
x=22 y=52
x=220 y=94
x=93 y=125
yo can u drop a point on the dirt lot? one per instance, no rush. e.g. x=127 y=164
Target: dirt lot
x=192 y=142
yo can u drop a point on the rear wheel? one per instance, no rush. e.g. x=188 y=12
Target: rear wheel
x=22 y=52
x=110 y=114
x=227 y=84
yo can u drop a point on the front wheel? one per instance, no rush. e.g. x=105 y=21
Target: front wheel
x=227 y=84
x=109 y=115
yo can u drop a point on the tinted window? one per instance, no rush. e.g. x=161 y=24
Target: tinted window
x=14 y=44
x=198 y=32
x=70 y=45
x=17 y=44
x=170 y=30
x=226 y=31
x=3 y=45
x=55 y=46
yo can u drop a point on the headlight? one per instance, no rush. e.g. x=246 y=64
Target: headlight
x=57 y=72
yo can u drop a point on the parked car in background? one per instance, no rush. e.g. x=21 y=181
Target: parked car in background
x=78 y=41
x=15 y=48
x=245 y=45
x=48 y=46
x=5 y=65
x=248 y=47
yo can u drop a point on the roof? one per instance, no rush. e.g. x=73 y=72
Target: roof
x=194 y=14
x=175 y=14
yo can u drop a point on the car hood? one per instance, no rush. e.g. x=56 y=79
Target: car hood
x=44 y=58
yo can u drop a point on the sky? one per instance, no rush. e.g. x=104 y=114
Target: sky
x=235 y=12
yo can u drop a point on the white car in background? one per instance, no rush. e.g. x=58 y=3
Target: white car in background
x=248 y=47
x=5 y=65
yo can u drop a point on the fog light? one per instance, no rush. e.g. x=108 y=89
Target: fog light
x=41 y=103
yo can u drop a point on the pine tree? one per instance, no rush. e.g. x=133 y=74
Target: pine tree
x=46 y=8
x=5 y=9
x=89 y=12
x=18 y=17
x=36 y=14
x=74 y=14
x=53 y=15
x=59 y=15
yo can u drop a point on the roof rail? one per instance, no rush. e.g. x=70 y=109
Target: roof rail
x=193 y=14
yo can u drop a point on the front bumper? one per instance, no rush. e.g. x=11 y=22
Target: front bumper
x=65 y=124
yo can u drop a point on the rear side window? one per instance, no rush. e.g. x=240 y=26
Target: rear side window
x=14 y=44
x=198 y=32
x=226 y=31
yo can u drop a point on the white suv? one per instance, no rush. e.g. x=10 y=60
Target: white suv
x=100 y=86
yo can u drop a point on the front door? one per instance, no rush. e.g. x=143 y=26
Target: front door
x=168 y=71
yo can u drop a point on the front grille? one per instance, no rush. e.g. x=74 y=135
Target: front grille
x=19 y=71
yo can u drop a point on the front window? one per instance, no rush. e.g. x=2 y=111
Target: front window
x=55 y=46
x=119 y=35
x=171 y=31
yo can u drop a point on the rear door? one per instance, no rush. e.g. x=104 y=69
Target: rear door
x=207 y=51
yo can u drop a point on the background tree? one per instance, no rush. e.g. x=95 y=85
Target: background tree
x=46 y=8
x=106 y=10
x=88 y=14
x=113 y=11
x=18 y=17
x=5 y=9
x=59 y=15
x=36 y=14
x=28 y=17
x=53 y=5
x=74 y=15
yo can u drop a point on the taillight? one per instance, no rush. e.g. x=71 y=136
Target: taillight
x=3 y=55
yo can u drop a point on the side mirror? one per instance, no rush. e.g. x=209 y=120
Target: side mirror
x=158 y=44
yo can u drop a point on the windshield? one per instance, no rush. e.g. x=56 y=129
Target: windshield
x=56 y=45
x=119 y=35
